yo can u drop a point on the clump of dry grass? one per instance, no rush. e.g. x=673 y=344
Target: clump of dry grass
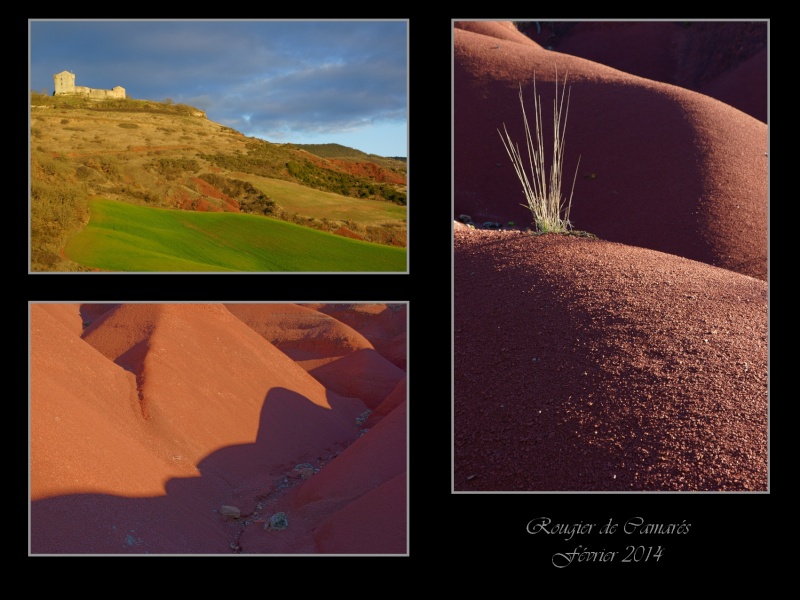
x=543 y=191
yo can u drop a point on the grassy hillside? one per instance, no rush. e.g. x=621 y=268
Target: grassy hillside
x=124 y=237
x=358 y=218
x=168 y=155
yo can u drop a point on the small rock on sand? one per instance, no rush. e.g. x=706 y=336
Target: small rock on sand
x=277 y=521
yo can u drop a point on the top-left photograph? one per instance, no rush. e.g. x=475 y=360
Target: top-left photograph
x=218 y=146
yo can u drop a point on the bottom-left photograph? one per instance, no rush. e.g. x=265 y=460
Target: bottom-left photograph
x=218 y=428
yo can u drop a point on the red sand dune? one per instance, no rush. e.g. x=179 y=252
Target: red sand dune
x=145 y=424
x=589 y=365
x=661 y=167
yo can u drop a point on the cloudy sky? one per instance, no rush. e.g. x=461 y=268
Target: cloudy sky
x=306 y=82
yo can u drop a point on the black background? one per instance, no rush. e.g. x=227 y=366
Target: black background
x=463 y=539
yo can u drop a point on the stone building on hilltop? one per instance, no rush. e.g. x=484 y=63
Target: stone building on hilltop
x=65 y=84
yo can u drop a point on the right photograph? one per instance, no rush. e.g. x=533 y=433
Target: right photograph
x=610 y=256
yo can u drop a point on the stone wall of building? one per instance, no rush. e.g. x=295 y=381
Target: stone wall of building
x=65 y=84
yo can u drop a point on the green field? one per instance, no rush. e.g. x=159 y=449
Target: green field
x=125 y=237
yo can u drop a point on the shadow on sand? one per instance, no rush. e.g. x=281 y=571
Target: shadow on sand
x=186 y=520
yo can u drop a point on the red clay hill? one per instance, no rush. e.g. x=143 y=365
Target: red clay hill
x=180 y=429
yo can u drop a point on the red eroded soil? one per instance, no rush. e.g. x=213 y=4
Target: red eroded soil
x=209 y=190
x=187 y=200
x=343 y=231
x=369 y=170
x=147 y=419
x=359 y=169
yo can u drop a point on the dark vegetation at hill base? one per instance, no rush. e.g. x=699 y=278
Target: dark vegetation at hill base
x=169 y=155
x=339 y=151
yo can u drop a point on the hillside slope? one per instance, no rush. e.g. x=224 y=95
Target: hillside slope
x=171 y=156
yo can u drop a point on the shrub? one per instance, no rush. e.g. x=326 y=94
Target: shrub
x=250 y=199
x=174 y=167
x=543 y=192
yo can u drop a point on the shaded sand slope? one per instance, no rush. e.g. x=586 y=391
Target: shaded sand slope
x=744 y=86
x=392 y=401
x=199 y=408
x=357 y=504
x=661 y=167
x=589 y=365
x=363 y=374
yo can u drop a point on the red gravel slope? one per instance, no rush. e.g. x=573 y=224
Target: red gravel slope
x=589 y=365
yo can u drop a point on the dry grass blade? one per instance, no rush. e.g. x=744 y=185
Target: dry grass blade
x=543 y=190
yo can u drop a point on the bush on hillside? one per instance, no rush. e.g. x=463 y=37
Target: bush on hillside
x=250 y=199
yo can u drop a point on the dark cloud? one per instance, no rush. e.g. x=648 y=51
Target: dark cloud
x=283 y=76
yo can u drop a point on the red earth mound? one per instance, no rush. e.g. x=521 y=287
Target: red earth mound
x=661 y=167
x=587 y=365
x=148 y=421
